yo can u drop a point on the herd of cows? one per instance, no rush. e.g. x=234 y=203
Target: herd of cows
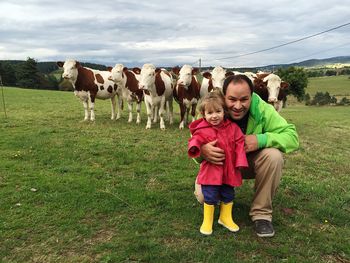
x=158 y=87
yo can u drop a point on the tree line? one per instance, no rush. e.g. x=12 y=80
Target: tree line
x=26 y=74
x=34 y=75
x=327 y=72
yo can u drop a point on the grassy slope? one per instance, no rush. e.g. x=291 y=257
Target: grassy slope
x=338 y=86
x=115 y=192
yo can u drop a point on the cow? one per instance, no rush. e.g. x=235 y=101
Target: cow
x=90 y=84
x=213 y=80
x=282 y=96
x=157 y=88
x=268 y=86
x=186 y=93
x=127 y=81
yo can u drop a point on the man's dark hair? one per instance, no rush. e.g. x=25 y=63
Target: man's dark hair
x=237 y=79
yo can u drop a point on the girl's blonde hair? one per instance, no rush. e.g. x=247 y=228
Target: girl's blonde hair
x=213 y=100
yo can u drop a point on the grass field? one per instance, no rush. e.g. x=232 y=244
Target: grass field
x=109 y=191
x=338 y=86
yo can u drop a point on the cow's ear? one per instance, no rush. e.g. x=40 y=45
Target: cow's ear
x=77 y=64
x=229 y=73
x=136 y=70
x=109 y=69
x=157 y=70
x=176 y=70
x=195 y=71
x=258 y=83
x=266 y=79
x=207 y=75
x=60 y=64
x=284 y=85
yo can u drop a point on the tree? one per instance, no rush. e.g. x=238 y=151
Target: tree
x=27 y=74
x=321 y=98
x=330 y=72
x=307 y=99
x=344 y=101
x=8 y=74
x=297 y=79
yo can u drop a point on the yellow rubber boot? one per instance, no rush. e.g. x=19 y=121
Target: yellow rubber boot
x=208 y=218
x=225 y=218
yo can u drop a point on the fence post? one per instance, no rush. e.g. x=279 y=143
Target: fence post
x=3 y=97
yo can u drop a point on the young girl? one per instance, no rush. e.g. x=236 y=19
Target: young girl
x=218 y=181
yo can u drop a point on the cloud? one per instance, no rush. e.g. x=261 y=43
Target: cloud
x=171 y=33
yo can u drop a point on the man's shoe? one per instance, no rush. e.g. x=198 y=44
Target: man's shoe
x=264 y=228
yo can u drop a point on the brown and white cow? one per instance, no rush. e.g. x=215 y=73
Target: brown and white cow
x=186 y=93
x=90 y=84
x=214 y=79
x=158 y=92
x=268 y=86
x=128 y=81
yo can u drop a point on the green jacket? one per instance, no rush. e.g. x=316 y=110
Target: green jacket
x=271 y=129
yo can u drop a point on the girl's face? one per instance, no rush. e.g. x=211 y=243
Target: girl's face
x=214 y=116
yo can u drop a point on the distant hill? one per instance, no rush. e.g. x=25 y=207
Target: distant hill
x=313 y=63
x=49 y=66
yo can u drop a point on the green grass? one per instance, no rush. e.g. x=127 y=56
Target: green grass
x=338 y=86
x=110 y=191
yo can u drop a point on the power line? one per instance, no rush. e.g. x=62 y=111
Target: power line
x=285 y=44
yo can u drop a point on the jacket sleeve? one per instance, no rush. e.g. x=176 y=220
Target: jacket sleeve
x=194 y=144
x=241 y=158
x=277 y=132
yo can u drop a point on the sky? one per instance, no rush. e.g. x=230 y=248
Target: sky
x=170 y=33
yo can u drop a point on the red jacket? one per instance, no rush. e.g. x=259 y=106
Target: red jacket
x=231 y=140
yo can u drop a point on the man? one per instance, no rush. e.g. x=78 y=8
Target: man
x=267 y=136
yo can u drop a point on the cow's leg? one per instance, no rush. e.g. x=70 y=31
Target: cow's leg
x=182 y=116
x=171 y=111
x=113 y=108
x=92 y=107
x=198 y=114
x=130 y=111
x=86 y=109
x=120 y=106
x=186 y=114
x=149 y=110
x=155 y=114
x=161 y=113
x=193 y=112
x=138 y=110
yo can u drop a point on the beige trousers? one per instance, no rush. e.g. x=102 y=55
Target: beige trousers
x=265 y=166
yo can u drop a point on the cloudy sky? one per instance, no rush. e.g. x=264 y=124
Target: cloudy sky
x=169 y=33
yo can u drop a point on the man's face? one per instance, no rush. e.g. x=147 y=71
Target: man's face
x=238 y=99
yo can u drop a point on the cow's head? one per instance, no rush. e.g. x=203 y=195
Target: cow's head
x=185 y=75
x=147 y=76
x=70 y=69
x=218 y=76
x=273 y=86
x=117 y=73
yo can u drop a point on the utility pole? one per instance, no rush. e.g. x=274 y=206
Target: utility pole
x=200 y=64
x=3 y=97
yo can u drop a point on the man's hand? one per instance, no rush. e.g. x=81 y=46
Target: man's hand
x=250 y=143
x=213 y=154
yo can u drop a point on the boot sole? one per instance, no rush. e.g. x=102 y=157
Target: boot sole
x=231 y=229
x=206 y=233
x=266 y=235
